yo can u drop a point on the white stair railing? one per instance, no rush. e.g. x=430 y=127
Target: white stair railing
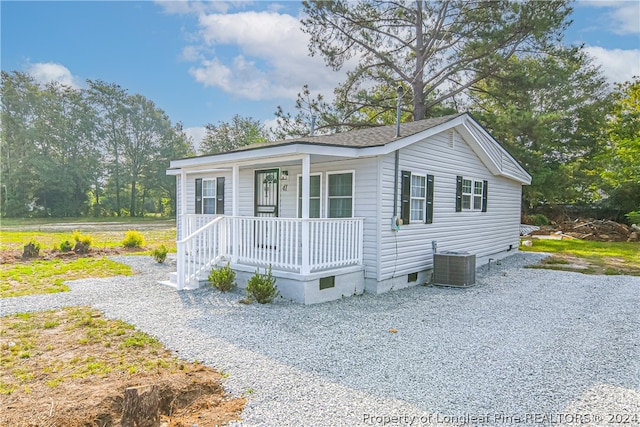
x=200 y=251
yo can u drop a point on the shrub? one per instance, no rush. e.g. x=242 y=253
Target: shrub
x=160 y=254
x=86 y=240
x=133 y=239
x=223 y=278
x=539 y=219
x=262 y=287
x=633 y=217
x=66 y=246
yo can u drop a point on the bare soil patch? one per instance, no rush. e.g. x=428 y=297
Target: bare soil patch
x=603 y=265
x=15 y=256
x=70 y=368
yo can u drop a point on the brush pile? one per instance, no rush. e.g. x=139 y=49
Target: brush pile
x=601 y=230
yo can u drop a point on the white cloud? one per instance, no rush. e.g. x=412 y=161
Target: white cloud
x=619 y=65
x=190 y=54
x=47 y=72
x=622 y=17
x=257 y=56
x=185 y=7
x=626 y=17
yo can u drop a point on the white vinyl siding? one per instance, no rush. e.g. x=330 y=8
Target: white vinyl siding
x=479 y=233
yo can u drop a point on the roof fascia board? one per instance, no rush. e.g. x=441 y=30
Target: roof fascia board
x=471 y=140
x=194 y=171
x=484 y=132
x=467 y=132
x=266 y=154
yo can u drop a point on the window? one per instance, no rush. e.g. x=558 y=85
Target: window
x=477 y=195
x=340 y=195
x=314 y=196
x=418 y=193
x=471 y=195
x=416 y=204
x=466 y=194
x=209 y=196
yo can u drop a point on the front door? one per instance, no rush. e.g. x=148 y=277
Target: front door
x=267 y=184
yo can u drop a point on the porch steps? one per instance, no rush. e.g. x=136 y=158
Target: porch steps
x=203 y=279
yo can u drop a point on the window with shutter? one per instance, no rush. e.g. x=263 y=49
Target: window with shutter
x=209 y=196
x=471 y=194
x=416 y=203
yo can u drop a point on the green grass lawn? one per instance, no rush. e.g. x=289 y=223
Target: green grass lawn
x=14 y=240
x=40 y=276
x=596 y=257
x=46 y=277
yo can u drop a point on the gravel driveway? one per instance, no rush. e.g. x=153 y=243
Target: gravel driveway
x=522 y=347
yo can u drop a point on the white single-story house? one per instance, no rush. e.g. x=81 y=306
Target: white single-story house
x=342 y=214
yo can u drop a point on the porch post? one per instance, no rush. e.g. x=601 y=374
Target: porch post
x=235 y=203
x=183 y=204
x=306 y=166
x=182 y=259
x=235 y=178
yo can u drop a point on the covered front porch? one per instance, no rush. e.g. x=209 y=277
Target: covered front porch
x=304 y=251
x=292 y=245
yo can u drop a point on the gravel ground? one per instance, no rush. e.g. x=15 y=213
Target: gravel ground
x=522 y=347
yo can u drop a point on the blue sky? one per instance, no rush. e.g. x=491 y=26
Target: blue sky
x=205 y=62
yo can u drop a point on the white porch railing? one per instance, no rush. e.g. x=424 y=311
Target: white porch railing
x=279 y=242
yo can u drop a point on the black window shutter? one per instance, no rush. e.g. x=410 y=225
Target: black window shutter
x=220 y=196
x=199 y=195
x=485 y=188
x=429 y=218
x=459 y=194
x=405 y=197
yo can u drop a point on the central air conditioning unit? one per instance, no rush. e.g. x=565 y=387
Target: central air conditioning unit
x=454 y=269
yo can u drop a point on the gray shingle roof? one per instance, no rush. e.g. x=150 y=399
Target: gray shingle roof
x=370 y=137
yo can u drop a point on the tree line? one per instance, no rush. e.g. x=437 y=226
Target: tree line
x=98 y=151
x=102 y=151
x=502 y=61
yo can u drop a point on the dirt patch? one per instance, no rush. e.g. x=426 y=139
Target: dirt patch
x=15 y=256
x=70 y=368
x=596 y=265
